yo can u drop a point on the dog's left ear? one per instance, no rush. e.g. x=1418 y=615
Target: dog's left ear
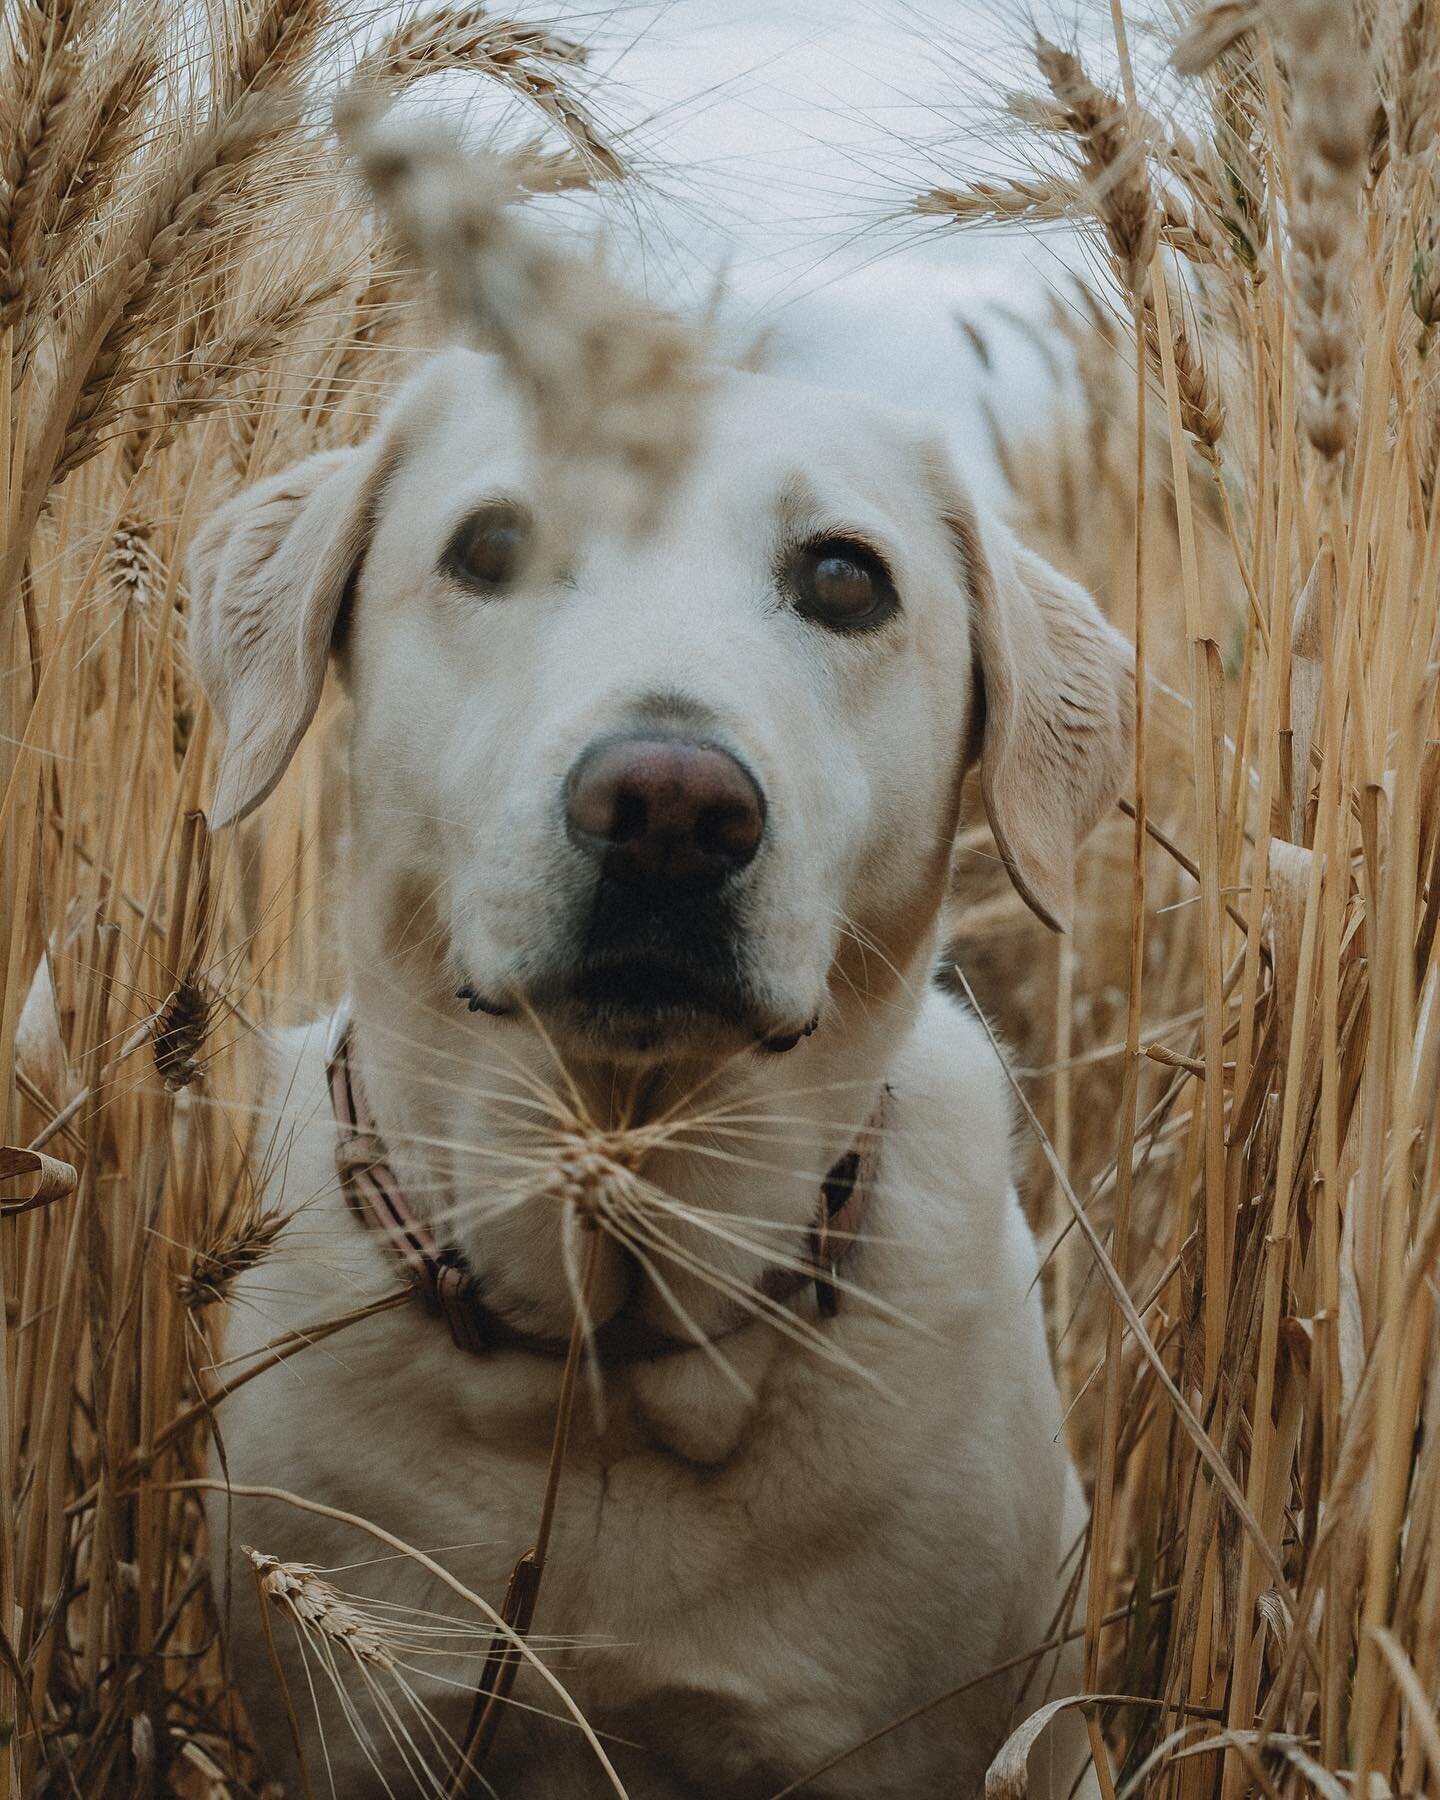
x=1054 y=699
x=268 y=575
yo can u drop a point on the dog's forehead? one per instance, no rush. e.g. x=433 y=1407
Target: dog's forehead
x=762 y=441
x=770 y=417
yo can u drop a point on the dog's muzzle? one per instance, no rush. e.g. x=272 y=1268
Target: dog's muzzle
x=667 y=825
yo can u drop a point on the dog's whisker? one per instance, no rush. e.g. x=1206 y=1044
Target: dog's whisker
x=754 y=1300
x=543 y=1099
x=701 y=1219
x=618 y=1228
x=867 y=943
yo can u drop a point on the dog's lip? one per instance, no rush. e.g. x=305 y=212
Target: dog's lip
x=478 y=1001
x=639 y=987
x=652 y=987
x=642 y=1000
x=636 y=1003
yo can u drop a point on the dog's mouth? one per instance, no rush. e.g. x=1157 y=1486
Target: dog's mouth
x=619 y=1001
x=642 y=976
x=636 y=1006
x=627 y=995
x=640 y=979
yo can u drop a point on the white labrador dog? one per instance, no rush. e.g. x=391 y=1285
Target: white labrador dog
x=675 y=826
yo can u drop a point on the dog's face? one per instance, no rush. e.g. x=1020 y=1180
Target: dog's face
x=663 y=792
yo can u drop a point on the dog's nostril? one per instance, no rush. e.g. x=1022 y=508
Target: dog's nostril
x=732 y=831
x=658 y=808
x=628 y=822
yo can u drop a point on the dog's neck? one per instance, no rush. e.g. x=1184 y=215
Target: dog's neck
x=475 y=1111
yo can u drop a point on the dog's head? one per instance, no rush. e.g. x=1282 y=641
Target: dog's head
x=663 y=793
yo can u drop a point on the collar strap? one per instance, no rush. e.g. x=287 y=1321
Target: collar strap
x=450 y=1290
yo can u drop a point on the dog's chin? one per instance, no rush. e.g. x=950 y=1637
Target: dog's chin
x=647 y=1008
x=641 y=1009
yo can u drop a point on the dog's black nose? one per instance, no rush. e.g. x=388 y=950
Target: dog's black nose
x=664 y=809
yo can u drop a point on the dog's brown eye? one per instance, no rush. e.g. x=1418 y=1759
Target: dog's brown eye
x=489 y=550
x=842 y=584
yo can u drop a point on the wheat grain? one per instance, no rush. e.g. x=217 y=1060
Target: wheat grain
x=996 y=203
x=1327 y=75
x=1211 y=31
x=45 y=89
x=1414 y=81
x=1112 y=162
x=315 y=1606
x=534 y=61
x=1201 y=411
x=216 y=1266
x=180 y=1033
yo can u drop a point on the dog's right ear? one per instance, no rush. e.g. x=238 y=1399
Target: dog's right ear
x=268 y=575
x=1056 y=686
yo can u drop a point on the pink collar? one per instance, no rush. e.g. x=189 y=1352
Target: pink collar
x=450 y=1290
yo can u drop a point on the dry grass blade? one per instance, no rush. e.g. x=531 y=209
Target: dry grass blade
x=1007 y=1777
x=53 y=1179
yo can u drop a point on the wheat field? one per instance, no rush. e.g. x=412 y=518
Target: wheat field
x=1230 y=1072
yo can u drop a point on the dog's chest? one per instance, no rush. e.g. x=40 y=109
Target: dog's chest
x=734 y=1587
x=722 y=1622
x=732 y=1623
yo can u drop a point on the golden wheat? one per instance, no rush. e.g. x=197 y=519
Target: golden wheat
x=1238 y=1076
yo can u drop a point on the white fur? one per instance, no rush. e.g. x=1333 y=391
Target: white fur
x=757 y=1577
